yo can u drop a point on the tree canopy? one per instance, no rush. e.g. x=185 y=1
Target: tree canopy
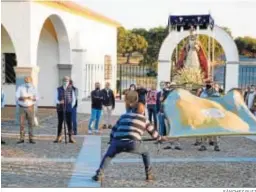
x=129 y=42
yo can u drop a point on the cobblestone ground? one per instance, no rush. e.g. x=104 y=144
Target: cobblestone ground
x=51 y=165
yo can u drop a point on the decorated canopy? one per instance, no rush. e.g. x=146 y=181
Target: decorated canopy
x=186 y=21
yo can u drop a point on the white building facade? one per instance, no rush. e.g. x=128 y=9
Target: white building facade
x=49 y=40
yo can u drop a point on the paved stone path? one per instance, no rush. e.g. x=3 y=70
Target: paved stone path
x=71 y=165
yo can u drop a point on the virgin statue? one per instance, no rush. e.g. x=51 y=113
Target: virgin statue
x=192 y=55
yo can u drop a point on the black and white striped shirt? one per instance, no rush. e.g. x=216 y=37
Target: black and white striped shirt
x=132 y=126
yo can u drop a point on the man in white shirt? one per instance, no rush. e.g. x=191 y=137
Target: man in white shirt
x=65 y=100
x=26 y=97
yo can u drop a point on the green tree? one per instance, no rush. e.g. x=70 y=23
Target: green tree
x=246 y=46
x=129 y=43
x=154 y=37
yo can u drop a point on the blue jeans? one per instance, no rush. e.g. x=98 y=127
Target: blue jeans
x=152 y=112
x=162 y=126
x=130 y=146
x=74 y=120
x=95 y=116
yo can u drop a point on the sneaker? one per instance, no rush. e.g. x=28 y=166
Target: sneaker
x=97 y=178
x=20 y=141
x=202 y=148
x=197 y=143
x=177 y=148
x=149 y=176
x=168 y=147
x=2 y=142
x=97 y=132
x=89 y=132
x=211 y=143
x=216 y=148
x=32 y=141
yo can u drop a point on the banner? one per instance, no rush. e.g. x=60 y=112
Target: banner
x=189 y=116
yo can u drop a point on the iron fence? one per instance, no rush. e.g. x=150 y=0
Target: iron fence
x=247 y=75
x=134 y=74
x=92 y=73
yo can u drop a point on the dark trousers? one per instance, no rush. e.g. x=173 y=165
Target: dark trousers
x=152 y=112
x=130 y=146
x=68 y=122
x=162 y=126
x=74 y=120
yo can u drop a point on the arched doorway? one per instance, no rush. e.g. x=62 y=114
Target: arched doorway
x=8 y=63
x=53 y=49
x=227 y=43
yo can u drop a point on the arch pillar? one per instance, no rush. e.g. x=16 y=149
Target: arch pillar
x=231 y=71
x=164 y=68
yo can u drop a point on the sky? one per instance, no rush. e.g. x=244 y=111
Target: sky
x=238 y=15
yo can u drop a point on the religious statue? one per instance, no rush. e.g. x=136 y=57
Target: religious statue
x=192 y=55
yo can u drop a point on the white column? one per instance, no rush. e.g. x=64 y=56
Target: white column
x=231 y=76
x=164 y=71
x=77 y=74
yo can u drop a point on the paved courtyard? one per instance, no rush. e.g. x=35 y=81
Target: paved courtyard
x=46 y=164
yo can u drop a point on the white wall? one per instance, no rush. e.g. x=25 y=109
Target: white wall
x=24 y=21
x=48 y=75
x=15 y=17
x=96 y=38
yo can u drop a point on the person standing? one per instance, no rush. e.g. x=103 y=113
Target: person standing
x=131 y=98
x=159 y=108
x=74 y=109
x=126 y=136
x=2 y=107
x=97 y=102
x=151 y=100
x=65 y=100
x=26 y=97
x=247 y=91
x=142 y=92
x=108 y=105
x=250 y=99
x=209 y=90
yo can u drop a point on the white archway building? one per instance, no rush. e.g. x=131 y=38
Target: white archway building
x=51 y=39
x=227 y=43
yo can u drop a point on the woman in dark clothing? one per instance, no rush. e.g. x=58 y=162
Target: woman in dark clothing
x=131 y=97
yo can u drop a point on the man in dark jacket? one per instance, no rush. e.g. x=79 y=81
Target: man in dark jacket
x=97 y=101
x=142 y=92
x=108 y=105
x=65 y=100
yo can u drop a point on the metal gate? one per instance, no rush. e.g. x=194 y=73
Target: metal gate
x=128 y=74
x=247 y=75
